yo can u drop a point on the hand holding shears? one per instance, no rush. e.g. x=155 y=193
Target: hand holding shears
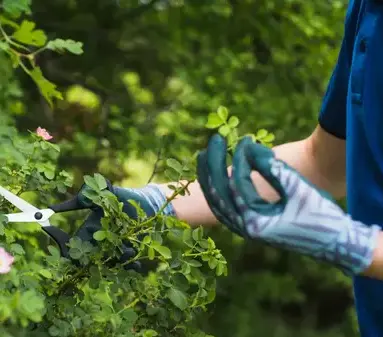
x=31 y=213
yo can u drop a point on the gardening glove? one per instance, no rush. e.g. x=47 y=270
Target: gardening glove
x=150 y=198
x=305 y=219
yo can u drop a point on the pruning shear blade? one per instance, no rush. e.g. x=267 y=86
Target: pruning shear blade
x=21 y=204
x=41 y=216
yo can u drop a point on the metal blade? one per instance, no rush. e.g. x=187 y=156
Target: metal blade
x=42 y=216
x=21 y=204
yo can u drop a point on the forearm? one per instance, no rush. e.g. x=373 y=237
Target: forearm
x=300 y=155
x=375 y=270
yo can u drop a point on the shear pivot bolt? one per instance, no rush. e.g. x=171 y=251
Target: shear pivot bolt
x=38 y=216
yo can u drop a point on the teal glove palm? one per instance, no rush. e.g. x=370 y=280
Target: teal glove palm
x=305 y=219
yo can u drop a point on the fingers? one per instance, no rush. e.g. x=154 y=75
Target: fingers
x=219 y=179
x=262 y=159
x=208 y=191
x=281 y=176
x=249 y=156
x=214 y=182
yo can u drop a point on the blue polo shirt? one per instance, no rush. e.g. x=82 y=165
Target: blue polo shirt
x=353 y=110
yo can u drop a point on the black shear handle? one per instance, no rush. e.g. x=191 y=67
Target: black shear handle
x=60 y=237
x=79 y=201
x=69 y=205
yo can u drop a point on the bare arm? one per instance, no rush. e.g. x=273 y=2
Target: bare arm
x=320 y=158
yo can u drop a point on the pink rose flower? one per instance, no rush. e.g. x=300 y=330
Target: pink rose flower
x=43 y=133
x=6 y=261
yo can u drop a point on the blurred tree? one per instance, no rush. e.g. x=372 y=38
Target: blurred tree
x=150 y=74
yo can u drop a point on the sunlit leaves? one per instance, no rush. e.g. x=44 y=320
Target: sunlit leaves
x=16 y=7
x=26 y=41
x=47 y=88
x=28 y=35
x=61 y=45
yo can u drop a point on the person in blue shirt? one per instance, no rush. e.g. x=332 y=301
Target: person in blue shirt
x=284 y=196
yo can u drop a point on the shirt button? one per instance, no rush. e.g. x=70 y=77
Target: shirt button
x=363 y=46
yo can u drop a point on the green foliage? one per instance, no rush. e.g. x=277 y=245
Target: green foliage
x=96 y=298
x=134 y=108
x=23 y=42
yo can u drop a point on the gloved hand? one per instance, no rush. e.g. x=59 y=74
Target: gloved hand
x=305 y=219
x=150 y=198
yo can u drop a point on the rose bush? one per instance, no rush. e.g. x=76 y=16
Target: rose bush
x=44 y=294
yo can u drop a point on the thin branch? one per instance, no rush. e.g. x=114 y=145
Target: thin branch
x=159 y=158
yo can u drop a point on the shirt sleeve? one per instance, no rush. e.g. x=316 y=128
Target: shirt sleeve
x=332 y=116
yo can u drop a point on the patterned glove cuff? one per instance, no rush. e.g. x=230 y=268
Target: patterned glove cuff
x=356 y=255
x=157 y=199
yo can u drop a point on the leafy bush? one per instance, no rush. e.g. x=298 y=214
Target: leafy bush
x=144 y=87
x=94 y=297
x=89 y=294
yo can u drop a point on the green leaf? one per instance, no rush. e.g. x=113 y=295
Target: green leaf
x=54 y=251
x=178 y=298
x=28 y=35
x=194 y=263
x=223 y=113
x=4 y=46
x=156 y=236
x=101 y=182
x=147 y=239
x=220 y=269
x=180 y=282
x=213 y=121
x=75 y=253
x=91 y=182
x=100 y=235
x=151 y=253
x=224 y=130
x=54 y=331
x=262 y=133
x=213 y=262
x=172 y=175
x=49 y=173
x=233 y=121
x=53 y=146
x=269 y=138
x=61 y=45
x=175 y=165
x=198 y=234
x=17 y=249
x=16 y=7
x=130 y=316
x=47 y=88
x=150 y=333
x=46 y=273
x=164 y=251
x=140 y=212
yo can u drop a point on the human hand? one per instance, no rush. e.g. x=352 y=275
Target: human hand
x=305 y=219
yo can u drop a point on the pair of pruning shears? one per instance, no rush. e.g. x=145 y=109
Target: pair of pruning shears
x=31 y=213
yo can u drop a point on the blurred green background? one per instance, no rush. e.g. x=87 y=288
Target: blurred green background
x=150 y=74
